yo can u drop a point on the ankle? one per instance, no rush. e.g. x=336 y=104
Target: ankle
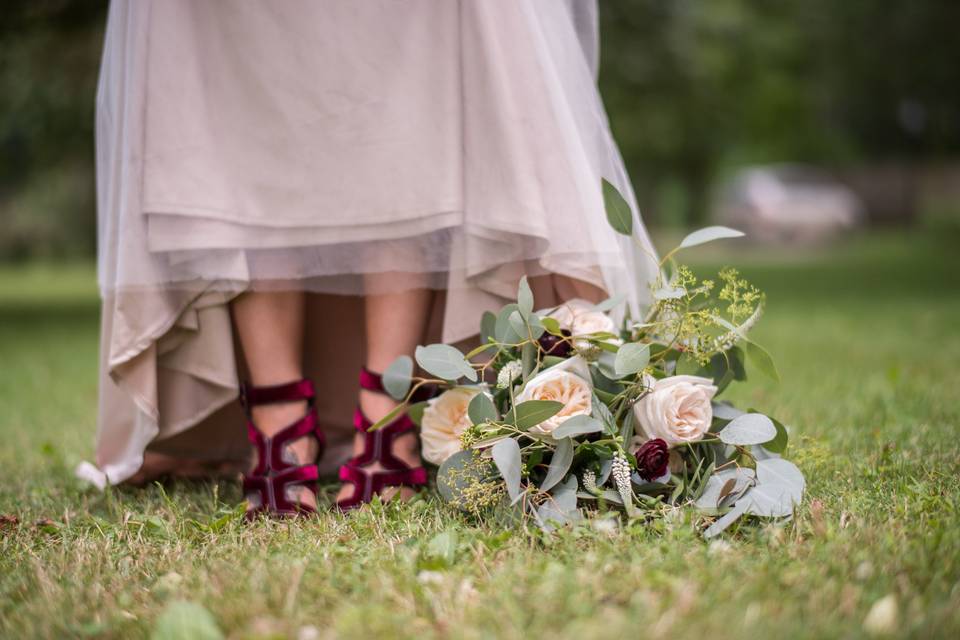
x=272 y=418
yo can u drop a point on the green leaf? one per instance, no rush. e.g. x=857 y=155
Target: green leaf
x=708 y=234
x=750 y=428
x=518 y=325
x=524 y=298
x=609 y=303
x=457 y=473
x=561 y=508
x=443 y=547
x=533 y=412
x=779 y=443
x=577 y=426
x=397 y=377
x=559 y=464
x=535 y=322
x=481 y=409
x=618 y=211
x=506 y=456
x=528 y=360
x=779 y=488
x=551 y=325
x=726 y=520
x=445 y=362
x=632 y=357
x=503 y=330
x=759 y=358
x=415 y=412
x=488 y=326
x=181 y=619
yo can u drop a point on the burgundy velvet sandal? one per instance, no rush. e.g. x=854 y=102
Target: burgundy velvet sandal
x=378 y=449
x=271 y=486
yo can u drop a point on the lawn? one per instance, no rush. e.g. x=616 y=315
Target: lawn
x=865 y=334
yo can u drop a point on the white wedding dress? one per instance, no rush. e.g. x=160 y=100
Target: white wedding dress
x=453 y=144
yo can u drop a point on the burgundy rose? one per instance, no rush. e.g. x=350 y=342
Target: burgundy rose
x=653 y=456
x=555 y=345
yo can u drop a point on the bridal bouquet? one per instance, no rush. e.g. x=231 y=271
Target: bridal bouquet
x=562 y=410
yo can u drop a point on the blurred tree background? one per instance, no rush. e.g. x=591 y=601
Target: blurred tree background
x=695 y=89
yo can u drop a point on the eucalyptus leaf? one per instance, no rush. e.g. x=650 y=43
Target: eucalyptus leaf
x=561 y=507
x=632 y=357
x=779 y=488
x=750 y=428
x=726 y=520
x=524 y=298
x=445 y=362
x=618 y=211
x=535 y=322
x=577 y=426
x=759 y=358
x=533 y=412
x=481 y=409
x=518 y=325
x=456 y=473
x=506 y=456
x=609 y=303
x=606 y=365
x=503 y=330
x=778 y=444
x=488 y=326
x=711 y=498
x=708 y=234
x=726 y=411
x=397 y=377
x=559 y=464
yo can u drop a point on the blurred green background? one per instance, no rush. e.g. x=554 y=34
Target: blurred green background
x=829 y=130
x=864 y=90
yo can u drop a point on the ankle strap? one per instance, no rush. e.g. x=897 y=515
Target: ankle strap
x=371 y=381
x=251 y=396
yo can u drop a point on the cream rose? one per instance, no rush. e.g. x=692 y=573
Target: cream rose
x=567 y=382
x=579 y=318
x=677 y=409
x=444 y=421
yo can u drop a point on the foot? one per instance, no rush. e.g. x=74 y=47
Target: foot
x=270 y=419
x=406 y=447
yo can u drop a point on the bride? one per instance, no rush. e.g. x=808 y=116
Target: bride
x=289 y=193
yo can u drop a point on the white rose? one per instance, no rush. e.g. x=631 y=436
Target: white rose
x=444 y=421
x=677 y=409
x=567 y=382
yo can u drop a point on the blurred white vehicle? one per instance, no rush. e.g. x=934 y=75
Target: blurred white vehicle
x=788 y=204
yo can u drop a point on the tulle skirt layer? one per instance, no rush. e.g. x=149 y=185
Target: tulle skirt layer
x=344 y=149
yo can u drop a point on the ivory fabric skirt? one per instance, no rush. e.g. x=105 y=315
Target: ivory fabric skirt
x=341 y=147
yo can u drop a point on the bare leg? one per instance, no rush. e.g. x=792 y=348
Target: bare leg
x=270 y=328
x=394 y=324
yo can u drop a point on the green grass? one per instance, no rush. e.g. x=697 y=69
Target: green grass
x=865 y=335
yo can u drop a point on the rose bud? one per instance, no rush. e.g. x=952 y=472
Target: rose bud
x=653 y=456
x=555 y=345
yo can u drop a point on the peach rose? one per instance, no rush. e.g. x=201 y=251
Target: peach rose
x=567 y=382
x=444 y=421
x=676 y=409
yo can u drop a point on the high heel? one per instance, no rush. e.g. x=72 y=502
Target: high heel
x=378 y=449
x=267 y=485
